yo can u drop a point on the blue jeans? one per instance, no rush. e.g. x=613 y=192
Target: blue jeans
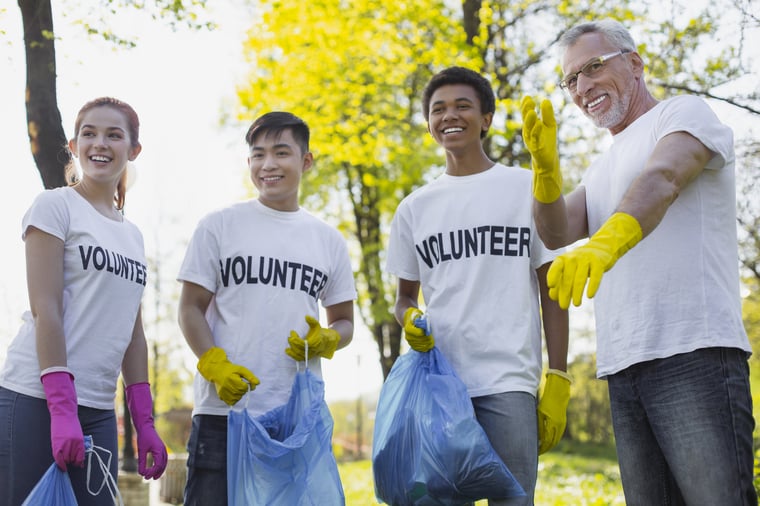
x=26 y=452
x=683 y=428
x=207 y=462
x=509 y=420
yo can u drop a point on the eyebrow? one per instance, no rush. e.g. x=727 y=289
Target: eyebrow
x=460 y=99
x=107 y=128
x=276 y=146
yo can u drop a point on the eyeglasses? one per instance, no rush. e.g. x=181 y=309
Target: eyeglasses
x=570 y=82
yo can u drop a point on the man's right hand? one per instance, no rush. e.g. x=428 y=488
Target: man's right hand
x=415 y=336
x=540 y=137
x=231 y=381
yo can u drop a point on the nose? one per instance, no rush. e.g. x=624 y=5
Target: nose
x=583 y=84
x=269 y=162
x=450 y=113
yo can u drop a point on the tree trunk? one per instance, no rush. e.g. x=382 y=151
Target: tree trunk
x=46 y=136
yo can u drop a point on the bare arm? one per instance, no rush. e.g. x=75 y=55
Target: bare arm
x=44 y=276
x=193 y=302
x=564 y=221
x=407 y=295
x=340 y=317
x=556 y=326
x=677 y=159
x=134 y=365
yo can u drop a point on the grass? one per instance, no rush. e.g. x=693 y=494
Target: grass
x=582 y=475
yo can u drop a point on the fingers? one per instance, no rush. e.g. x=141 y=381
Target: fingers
x=159 y=463
x=313 y=322
x=248 y=376
x=547 y=113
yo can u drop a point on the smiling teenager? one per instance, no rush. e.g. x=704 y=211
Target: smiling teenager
x=52 y=391
x=253 y=278
x=468 y=241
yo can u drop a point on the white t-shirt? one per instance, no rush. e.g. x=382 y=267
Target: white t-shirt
x=267 y=269
x=678 y=289
x=104 y=275
x=471 y=243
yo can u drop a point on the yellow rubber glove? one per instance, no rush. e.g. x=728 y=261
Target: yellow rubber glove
x=322 y=342
x=231 y=381
x=569 y=272
x=540 y=137
x=552 y=409
x=415 y=336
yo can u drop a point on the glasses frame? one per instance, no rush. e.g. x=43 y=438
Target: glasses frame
x=601 y=60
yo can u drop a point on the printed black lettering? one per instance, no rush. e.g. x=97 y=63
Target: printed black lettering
x=511 y=241
x=85 y=256
x=424 y=255
x=524 y=241
x=98 y=258
x=280 y=271
x=250 y=277
x=238 y=270
x=497 y=238
x=306 y=278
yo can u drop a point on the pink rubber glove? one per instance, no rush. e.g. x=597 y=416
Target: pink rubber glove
x=140 y=405
x=66 y=435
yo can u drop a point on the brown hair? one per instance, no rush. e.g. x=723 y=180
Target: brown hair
x=133 y=127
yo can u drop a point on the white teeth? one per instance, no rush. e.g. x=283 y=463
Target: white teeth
x=453 y=129
x=596 y=102
x=98 y=158
x=271 y=178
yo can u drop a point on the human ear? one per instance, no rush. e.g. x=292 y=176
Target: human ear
x=308 y=161
x=134 y=151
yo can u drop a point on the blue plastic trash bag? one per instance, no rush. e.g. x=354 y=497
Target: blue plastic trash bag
x=53 y=489
x=285 y=455
x=428 y=447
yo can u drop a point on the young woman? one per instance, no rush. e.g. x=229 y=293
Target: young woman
x=86 y=271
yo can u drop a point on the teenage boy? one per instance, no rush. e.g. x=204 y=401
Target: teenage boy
x=252 y=278
x=468 y=241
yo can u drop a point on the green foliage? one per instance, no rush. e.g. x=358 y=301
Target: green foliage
x=588 y=413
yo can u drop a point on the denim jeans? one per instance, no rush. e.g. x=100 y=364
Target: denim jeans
x=207 y=462
x=509 y=420
x=683 y=428
x=26 y=452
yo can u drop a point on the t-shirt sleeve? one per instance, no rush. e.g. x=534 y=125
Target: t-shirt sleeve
x=401 y=260
x=200 y=265
x=341 y=286
x=694 y=116
x=48 y=213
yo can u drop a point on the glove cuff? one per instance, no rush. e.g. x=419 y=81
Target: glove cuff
x=213 y=355
x=561 y=374
x=621 y=232
x=140 y=404
x=547 y=185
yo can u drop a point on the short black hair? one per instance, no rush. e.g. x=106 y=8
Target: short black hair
x=460 y=75
x=276 y=122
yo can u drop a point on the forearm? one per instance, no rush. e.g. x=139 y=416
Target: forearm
x=51 y=343
x=556 y=325
x=551 y=222
x=134 y=365
x=195 y=328
x=345 y=328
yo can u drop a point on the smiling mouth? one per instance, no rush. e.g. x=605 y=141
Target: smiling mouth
x=453 y=130
x=271 y=179
x=100 y=158
x=596 y=102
